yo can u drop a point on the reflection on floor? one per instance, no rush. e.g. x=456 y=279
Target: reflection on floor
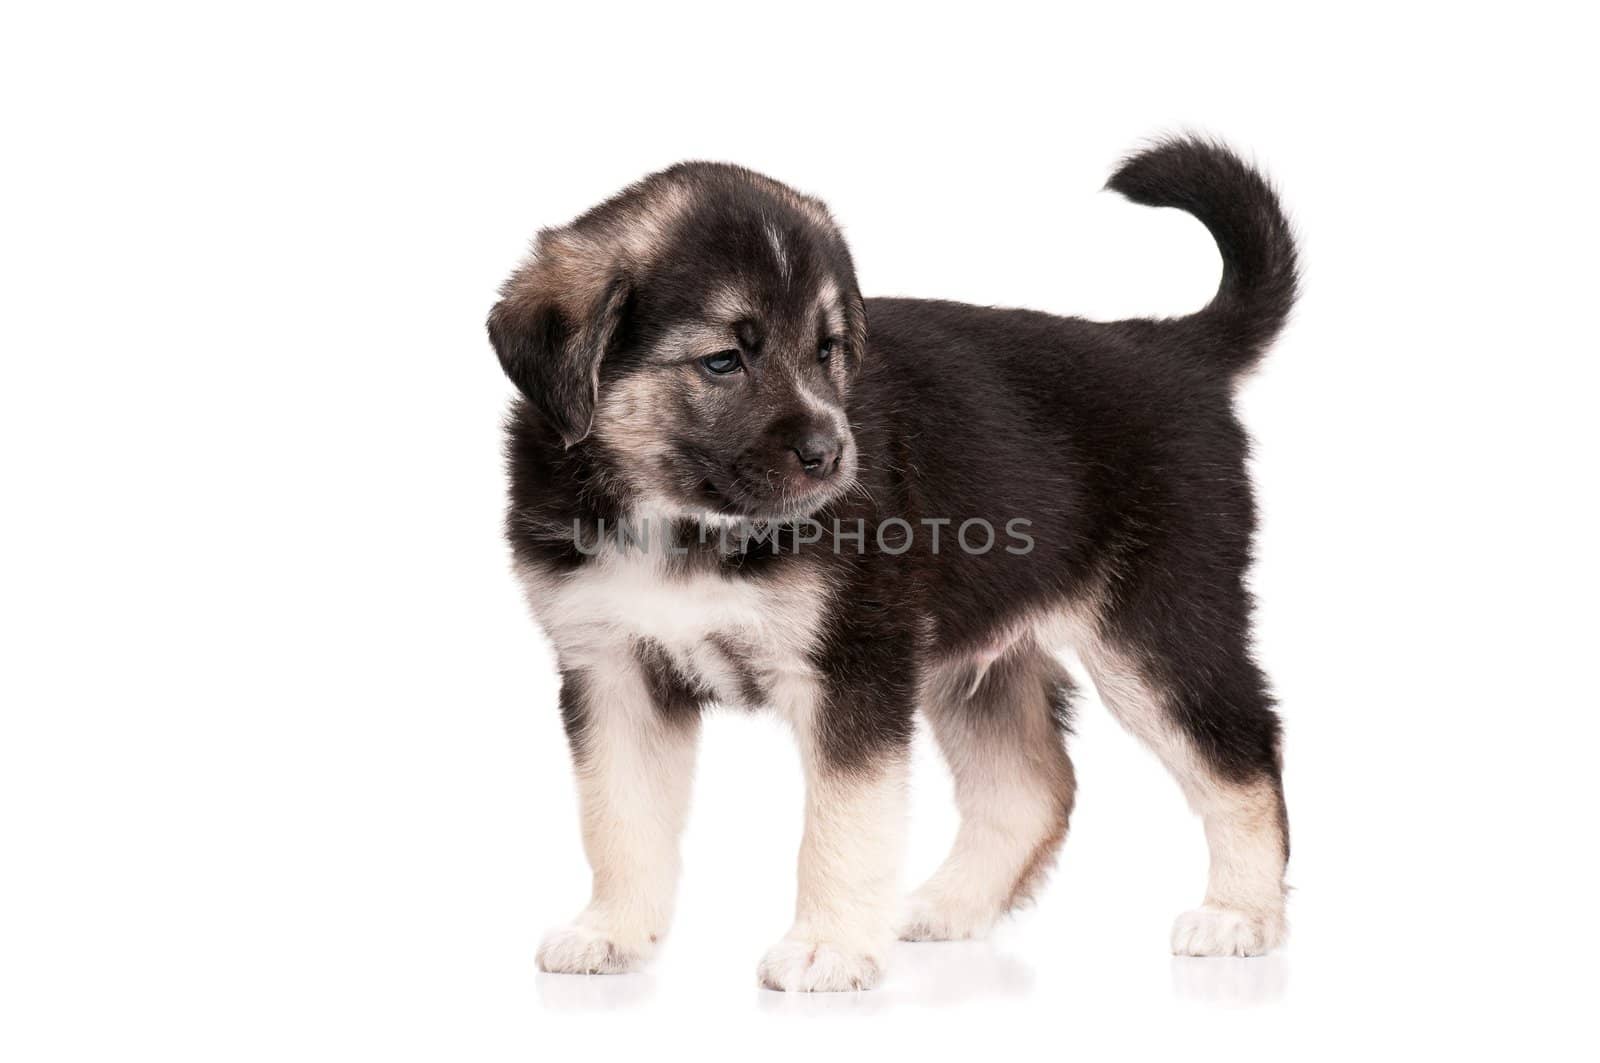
x=1230 y=980
x=925 y=974
x=936 y=975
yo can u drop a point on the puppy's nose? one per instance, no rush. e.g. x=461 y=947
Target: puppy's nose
x=818 y=454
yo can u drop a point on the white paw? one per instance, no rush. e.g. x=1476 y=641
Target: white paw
x=1226 y=932
x=579 y=949
x=796 y=965
x=926 y=917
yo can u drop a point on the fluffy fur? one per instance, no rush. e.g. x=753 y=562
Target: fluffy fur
x=694 y=357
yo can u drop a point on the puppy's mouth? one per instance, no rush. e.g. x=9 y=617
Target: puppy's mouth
x=746 y=492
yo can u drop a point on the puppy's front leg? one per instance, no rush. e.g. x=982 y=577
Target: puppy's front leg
x=850 y=856
x=633 y=750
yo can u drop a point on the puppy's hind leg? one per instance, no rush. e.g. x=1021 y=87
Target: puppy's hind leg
x=1190 y=691
x=1002 y=732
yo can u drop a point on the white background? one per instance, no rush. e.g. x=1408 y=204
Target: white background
x=281 y=774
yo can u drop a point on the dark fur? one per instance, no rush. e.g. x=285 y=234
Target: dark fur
x=1118 y=441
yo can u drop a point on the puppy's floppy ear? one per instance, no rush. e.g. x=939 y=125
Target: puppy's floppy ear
x=555 y=319
x=855 y=325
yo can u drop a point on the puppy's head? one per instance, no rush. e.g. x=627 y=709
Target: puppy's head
x=701 y=329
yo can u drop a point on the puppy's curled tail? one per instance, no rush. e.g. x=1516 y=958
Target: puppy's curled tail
x=1240 y=208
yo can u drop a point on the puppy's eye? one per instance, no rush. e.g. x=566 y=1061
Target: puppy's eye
x=825 y=349
x=722 y=363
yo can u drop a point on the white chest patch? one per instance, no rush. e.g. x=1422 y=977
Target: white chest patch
x=720 y=629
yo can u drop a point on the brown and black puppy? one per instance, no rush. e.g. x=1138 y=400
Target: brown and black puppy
x=733 y=480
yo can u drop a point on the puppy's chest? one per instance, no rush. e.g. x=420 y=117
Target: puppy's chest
x=727 y=637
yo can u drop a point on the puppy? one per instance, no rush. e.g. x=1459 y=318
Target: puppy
x=736 y=481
